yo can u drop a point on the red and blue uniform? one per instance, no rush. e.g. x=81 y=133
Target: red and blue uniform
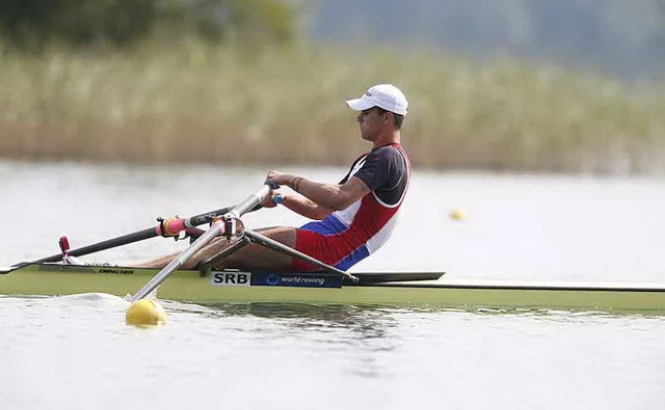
x=346 y=237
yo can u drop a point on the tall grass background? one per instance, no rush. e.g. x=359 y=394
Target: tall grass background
x=196 y=103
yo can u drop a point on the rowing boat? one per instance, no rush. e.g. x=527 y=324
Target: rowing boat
x=395 y=289
x=61 y=274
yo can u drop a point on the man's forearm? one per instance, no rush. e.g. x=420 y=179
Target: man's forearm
x=305 y=207
x=326 y=195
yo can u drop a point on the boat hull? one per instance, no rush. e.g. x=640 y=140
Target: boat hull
x=189 y=286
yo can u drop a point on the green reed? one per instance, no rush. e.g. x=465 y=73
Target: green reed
x=195 y=103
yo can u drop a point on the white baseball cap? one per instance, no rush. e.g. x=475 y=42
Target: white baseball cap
x=385 y=96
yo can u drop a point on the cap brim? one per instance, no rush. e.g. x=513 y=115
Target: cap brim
x=359 y=104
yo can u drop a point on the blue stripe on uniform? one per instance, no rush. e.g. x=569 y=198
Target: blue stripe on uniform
x=328 y=226
x=332 y=226
x=355 y=257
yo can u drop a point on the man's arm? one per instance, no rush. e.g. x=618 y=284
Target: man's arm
x=305 y=207
x=332 y=197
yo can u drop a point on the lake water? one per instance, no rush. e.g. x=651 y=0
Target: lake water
x=76 y=352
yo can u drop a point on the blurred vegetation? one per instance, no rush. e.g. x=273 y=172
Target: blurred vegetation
x=35 y=24
x=202 y=103
x=187 y=92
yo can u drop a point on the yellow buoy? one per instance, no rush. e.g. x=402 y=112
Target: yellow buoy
x=458 y=214
x=145 y=312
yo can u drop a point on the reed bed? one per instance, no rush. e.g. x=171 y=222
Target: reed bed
x=195 y=103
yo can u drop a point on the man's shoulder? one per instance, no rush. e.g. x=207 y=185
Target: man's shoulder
x=388 y=151
x=390 y=154
x=389 y=148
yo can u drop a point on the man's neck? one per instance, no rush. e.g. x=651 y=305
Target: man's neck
x=387 y=139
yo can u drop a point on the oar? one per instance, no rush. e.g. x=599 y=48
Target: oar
x=169 y=227
x=215 y=230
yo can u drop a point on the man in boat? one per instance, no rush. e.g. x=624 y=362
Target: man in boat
x=352 y=219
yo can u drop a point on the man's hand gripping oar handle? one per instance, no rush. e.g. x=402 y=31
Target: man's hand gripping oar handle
x=219 y=226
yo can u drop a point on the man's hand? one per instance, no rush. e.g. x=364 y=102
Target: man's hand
x=269 y=202
x=280 y=178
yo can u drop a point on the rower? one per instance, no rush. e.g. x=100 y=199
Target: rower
x=351 y=219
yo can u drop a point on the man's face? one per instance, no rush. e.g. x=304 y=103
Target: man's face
x=372 y=123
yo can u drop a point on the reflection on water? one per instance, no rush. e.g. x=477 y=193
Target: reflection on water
x=367 y=322
x=376 y=318
x=369 y=332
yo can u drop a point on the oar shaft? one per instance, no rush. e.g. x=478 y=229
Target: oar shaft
x=252 y=201
x=104 y=245
x=216 y=229
x=134 y=237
